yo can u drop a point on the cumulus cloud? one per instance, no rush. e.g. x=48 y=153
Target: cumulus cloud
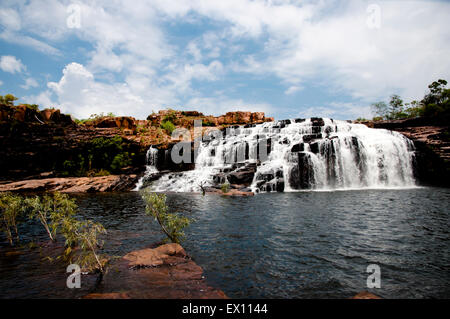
x=295 y=44
x=11 y=64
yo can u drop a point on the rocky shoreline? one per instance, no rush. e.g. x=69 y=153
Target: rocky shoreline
x=165 y=272
x=109 y=183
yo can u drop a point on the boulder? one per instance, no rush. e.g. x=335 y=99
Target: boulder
x=165 y=272
x=154 y=257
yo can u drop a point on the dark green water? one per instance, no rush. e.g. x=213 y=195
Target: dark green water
x=281 y=245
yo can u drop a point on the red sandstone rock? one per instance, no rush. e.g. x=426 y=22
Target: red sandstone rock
x=365 y=295
x=165 y=272
x=73 y=184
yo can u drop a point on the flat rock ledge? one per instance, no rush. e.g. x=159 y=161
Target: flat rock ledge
x=165 y=272
x=73 y=184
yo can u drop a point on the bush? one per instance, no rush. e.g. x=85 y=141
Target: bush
x=51 y=211
x=85 y=236
x=171 y=224
x=11 y=207
x=168 y=126
x=225 y=187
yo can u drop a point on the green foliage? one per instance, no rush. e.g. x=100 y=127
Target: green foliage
x=168 y=126
x=11 y=207
x=8 y=99
x=51 y=211
x=434 y=104
x=171 y=116
x=171 y=224
x=121 y=160
x=361 y=119
x=100 y=157
x=225 y=187
x=84 y=235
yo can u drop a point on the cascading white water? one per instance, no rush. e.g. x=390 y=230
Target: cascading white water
x=319 y=154
x=151 y=169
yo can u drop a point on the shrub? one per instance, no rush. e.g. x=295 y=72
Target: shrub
x=11 y=207
x=51 y=211
x=171 y=224
x=168 y=126
x=120 y=160
x=225 y=187
x=84 y=235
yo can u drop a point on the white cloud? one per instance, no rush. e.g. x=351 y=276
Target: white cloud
x=293 y=89
x=324 y=43
x=29 y=83
x=11 y=64
x=1 y=83
x=10 y=19
x=339 y=111
x=221 y=104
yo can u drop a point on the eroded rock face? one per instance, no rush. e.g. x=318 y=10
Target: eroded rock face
x=74 y=184
x=165 y=272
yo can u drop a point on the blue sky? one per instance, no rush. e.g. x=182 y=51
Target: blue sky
x=286 y=58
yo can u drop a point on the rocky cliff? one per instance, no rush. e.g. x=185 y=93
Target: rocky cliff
x=44 y=147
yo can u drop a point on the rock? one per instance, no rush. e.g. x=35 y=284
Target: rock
x=121 y=122
x=154 y=257
x=244 y=177
x=365 y=295
x=74 y=184
x=110 y=295
x=257 y=117
x=165 y=272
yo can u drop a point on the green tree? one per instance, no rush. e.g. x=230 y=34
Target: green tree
x=84 y=235
x=171 y=224
x=51 y=211
x=380 y=109
x=437 y=102
x=11 y=207
x=395 y=107
x=8 y=99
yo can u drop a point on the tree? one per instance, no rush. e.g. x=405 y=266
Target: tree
x=437 y=102
x=171 y=224
x=8 y=99
x=11 y=207
x=85 y=236
x=50 y=211
x=395 y=107
x=380 y=109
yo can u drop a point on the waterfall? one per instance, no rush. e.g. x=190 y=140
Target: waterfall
x=297 y=154
x=151 y=170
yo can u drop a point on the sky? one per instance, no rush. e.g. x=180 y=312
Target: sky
x=287 y=58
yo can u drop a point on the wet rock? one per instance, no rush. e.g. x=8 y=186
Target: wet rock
x=302 y=174
x=311 y=137
x=316 y=121
x=298 y=148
